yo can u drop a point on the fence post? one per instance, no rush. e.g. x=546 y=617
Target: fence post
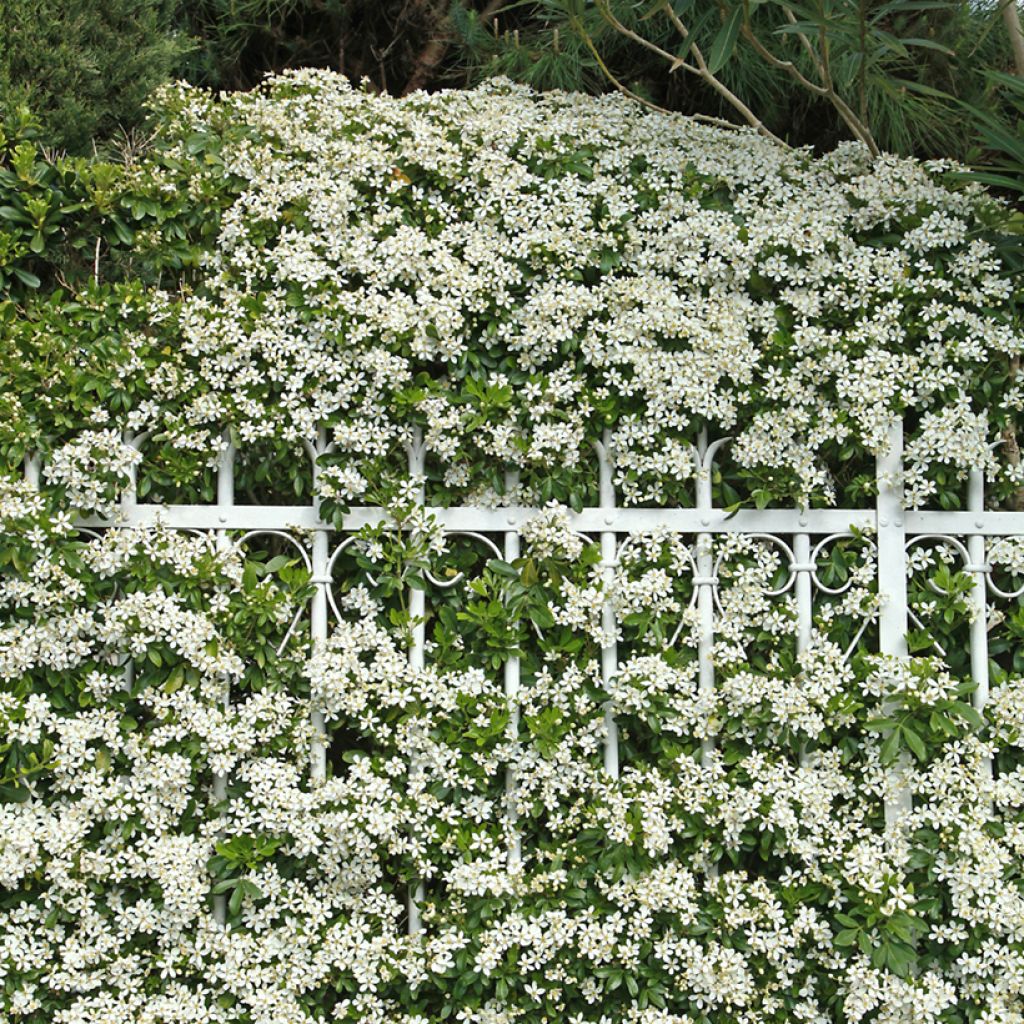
x=979 y=599
x=705 y=580
x=892 y=577
x=318 y=626
x=512 y=679
x=417 y=649
x=33 y=470
x=803 y=567
x=225 y=499
x=609 y=559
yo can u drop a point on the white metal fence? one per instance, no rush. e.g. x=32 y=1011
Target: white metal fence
x=799 y=533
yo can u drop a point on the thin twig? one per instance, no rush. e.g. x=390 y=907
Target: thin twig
x=701 y=70
x=606 y=71
x=777 y=62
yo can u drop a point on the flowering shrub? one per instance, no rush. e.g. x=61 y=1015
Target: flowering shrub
x=517 y=276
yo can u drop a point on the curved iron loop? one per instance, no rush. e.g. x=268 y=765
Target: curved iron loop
x=704 y=454
x=459 y=576
x=328 y=581
x=816 y=554
x=996 y=590
x=297 y=617
x=951 y=542
x=276 y=533
x=791 y=580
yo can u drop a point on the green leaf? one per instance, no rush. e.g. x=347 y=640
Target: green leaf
x=541 y=616
x=915 y=743
x=725 y=42
x=890 y=748
x=966 y=711
x=928 y=44
x=496 y=565
x=249 y=577
x=27 y=278
x=11 y=213
x=880 y=724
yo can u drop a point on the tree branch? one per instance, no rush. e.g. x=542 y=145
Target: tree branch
x=701 y=70
x=434 y=51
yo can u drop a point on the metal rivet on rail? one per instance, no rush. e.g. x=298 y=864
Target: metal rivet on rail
x=979 y=523
x=609 y=520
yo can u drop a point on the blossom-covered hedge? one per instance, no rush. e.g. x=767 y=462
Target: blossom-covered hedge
x=514 y=275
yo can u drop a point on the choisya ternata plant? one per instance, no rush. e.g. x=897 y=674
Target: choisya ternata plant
x=514 y=276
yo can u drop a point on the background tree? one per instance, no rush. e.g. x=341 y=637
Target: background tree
x=85 y=68
x=902 y=75
x=890 y=73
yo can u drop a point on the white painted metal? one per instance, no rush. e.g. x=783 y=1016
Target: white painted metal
x=978 y=567
x=705 y=581
x=817 y=521
x=417 y=648
x=225 y=500
x=892 y=578
x=803 y=568
x=320 y=577
x=609 y=626
x=512 y=680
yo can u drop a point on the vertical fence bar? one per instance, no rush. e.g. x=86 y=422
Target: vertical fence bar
x=320 y=579
x=512 y=550
x=129 y=500
x=804 y=595
x=609 y=559
x=892 y=576
x=130 y=493
x=33 y=470
x=705 y=582
x=804 y=569
x=979 y=600
x=417 y=649
x=225 y=500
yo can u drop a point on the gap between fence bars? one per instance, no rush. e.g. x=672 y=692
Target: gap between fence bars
x=890 y=523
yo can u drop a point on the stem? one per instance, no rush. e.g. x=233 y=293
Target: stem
x=862 y=70
x=675 y=63
x=1011 y=19
x=1010 y=444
